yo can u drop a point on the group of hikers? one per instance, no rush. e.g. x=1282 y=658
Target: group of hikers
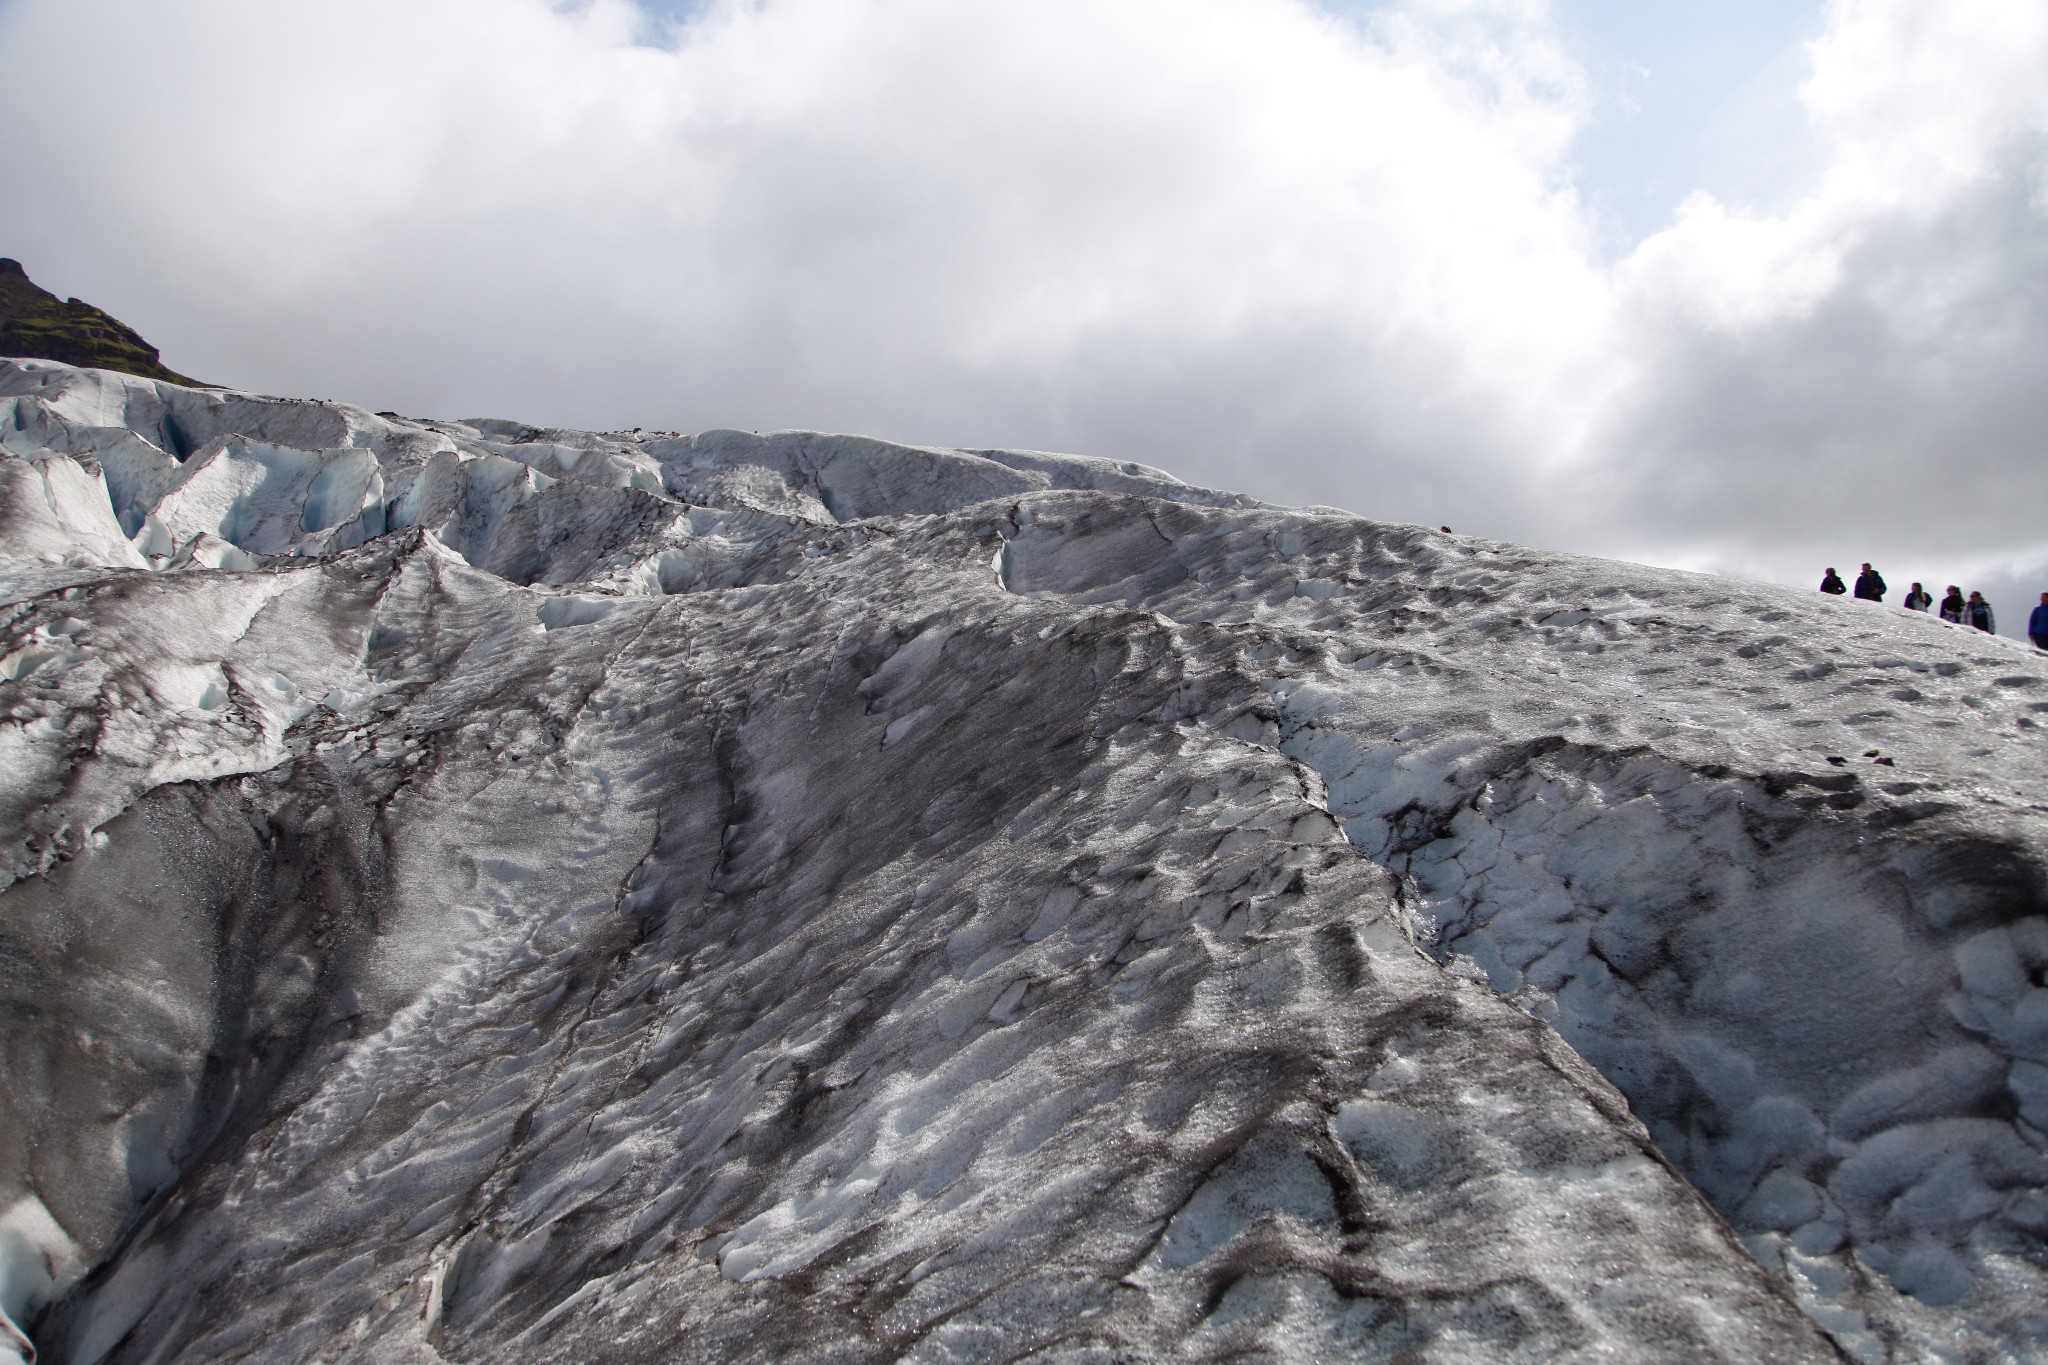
x=1973 y=611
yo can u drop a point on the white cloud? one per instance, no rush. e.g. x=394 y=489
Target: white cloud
x=1916 y=98
x=1861 y=371
x=1916 y=102
x=1321 y=256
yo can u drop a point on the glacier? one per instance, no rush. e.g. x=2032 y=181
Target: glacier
x=474 y=891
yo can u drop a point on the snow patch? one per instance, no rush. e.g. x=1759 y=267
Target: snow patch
x=559 y=613
x=38 y=1261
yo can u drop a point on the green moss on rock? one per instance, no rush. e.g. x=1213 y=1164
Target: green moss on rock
x=37 y=324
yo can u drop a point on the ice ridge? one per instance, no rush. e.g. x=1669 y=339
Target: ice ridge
x=475 y=889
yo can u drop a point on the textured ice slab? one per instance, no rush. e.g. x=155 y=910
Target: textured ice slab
x=480 y=891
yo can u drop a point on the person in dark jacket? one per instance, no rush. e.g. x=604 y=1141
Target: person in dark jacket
x=1978 y=614
x=1870 y=585
x=2037 y=624
x=1952 y=605
x=1918 y=600
x=1830 y=583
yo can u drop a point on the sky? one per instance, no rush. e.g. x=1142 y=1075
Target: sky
x=1745 y=287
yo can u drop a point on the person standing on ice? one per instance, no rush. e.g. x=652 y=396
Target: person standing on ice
x=1978 y=614
x=1918 y=600
x=1830 y=583
x=2037 y=624
x=1870 y=585
x=1952 y=605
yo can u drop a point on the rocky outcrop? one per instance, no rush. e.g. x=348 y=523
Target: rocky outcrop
x=36 y=323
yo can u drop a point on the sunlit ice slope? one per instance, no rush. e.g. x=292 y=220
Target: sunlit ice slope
x=473 y=890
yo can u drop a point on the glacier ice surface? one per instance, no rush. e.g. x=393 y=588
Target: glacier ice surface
x=472 y=888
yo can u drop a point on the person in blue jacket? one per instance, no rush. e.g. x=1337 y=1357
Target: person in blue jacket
x=1870 y=585
x=1832 y=584
x=2037 y=624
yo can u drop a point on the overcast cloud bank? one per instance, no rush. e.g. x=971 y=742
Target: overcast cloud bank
x=1320 y=256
